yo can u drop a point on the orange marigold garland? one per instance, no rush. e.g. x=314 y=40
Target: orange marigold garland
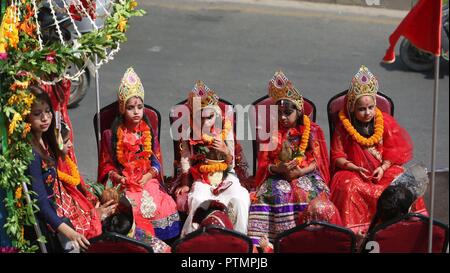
x=212 y=168
x=73 y=178
x=305 y=139
x=374 y=139
x=146 y=141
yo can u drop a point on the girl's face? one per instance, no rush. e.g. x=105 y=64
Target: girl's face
x=287 y=116
x=208 y=117
x=67 y=146
x=365 y=109
x=40 y=117
x=134 y=111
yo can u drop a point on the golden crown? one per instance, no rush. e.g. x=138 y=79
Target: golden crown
x=208 y=98
x=364 y=83
x=281 y=88
x=130 y=86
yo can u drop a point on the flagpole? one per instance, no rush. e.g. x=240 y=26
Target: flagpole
x=433 y=151
x=97 y=91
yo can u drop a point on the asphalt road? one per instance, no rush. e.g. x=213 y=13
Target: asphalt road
x=236 y=48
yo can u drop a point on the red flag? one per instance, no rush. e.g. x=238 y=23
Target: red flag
x=422 y=27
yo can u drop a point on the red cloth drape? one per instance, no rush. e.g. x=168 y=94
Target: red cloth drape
x=422 y=27
x=316 y=151
x=354 y=196
x=78 y=206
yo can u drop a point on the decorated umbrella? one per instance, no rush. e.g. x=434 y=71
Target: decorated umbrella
x=26 y=59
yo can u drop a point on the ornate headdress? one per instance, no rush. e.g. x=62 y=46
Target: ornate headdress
x=130 y=86
x=364 y=83
x=208 y=98
x=281 y=88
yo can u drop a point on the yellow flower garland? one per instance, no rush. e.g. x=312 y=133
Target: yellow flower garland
x=73 y=178
x=147 y=141
x=212 y=168
x=374 y=139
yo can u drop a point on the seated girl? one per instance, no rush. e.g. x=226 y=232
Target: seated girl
x=130 y=157
x=294 y=173
x=209 y=179
x=73 y=200
x=42 y=171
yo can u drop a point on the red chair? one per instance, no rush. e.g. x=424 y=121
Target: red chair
x=407 y=234
x=213 y=239
x=111 y=242
x=241 y=164
x=264 y=103
x=110 y=112
x=335 y=104
x=316 y=237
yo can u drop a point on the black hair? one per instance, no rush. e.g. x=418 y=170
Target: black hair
x=290 y=105
x=115 y=125
x=65 y=131
x=393 y=202
x=49 y=136
x=118 y=223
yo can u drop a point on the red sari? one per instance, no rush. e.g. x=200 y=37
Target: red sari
x=154 y=210
x=355 y=196
x=77 y=204
x=276 y=204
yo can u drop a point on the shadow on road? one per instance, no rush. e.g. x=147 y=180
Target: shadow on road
x=398 y=65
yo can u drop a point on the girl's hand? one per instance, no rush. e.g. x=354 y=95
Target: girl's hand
x=294 y=173
x=78 y=239
x=364 y=172
x=106 y=209
x=378 y=173
x=145 y=178
x=220 y=146
x=117 y=177
x=181 y=189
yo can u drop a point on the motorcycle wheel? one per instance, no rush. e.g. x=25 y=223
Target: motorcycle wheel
x=78 y=87
x=414 y=58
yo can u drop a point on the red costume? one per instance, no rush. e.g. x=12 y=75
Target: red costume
x=355 y=196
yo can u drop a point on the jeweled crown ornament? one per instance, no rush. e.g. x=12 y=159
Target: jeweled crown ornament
x=364 y=83
x=130 y=86
x=208 y=98
x=281 y=88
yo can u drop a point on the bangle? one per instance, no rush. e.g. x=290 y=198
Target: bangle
x=386 y=164
x=346 y=164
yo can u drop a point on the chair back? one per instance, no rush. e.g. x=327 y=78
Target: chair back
x=316 y=237
x=408 y=234
x=336 y=103
x=111 y=242
x=214 y=239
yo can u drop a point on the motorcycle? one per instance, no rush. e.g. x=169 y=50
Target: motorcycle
x=418 y=60
x=81 y=84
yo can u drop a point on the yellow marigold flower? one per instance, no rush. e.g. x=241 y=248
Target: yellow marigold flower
x=12 y=100
x=29 y=100
x=122 y=24
x=133 y=4
x=18 y=192
x=12 y=126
